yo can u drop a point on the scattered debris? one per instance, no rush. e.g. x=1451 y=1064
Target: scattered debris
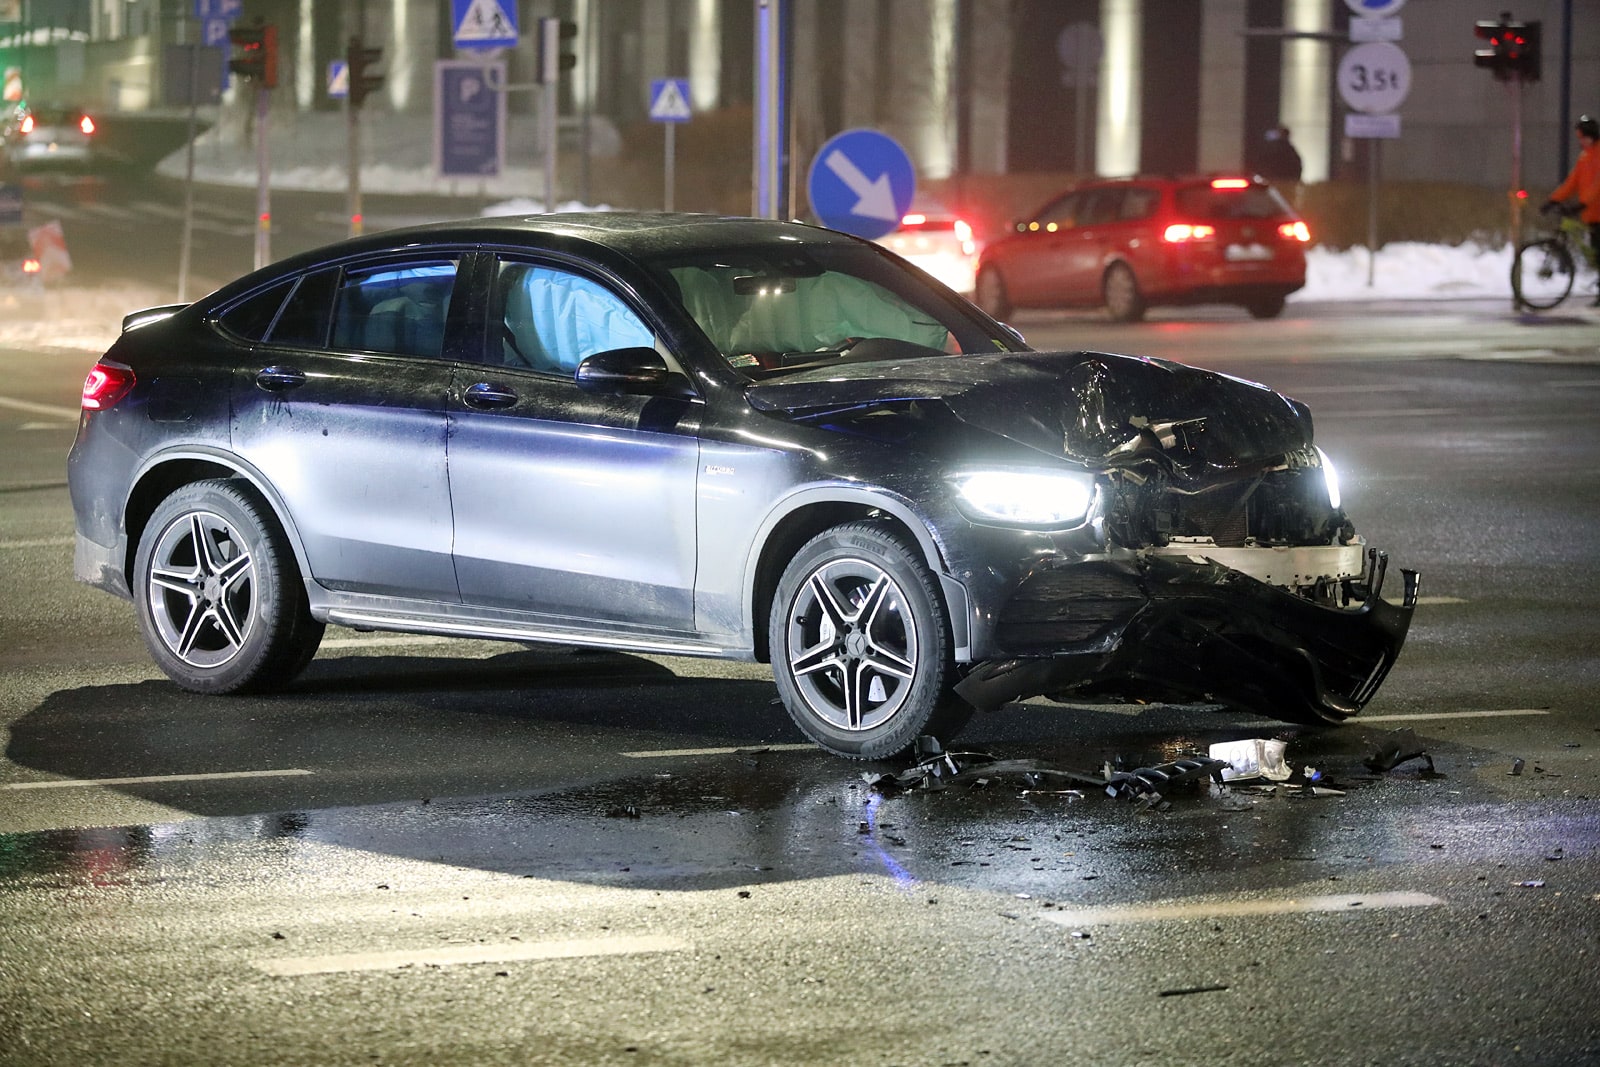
x=623 y=811
x=1400 y=746
x=1531 y=883
x=1516 y=767
x=1148 y=781
x=1193 y=989
x=1253 y=759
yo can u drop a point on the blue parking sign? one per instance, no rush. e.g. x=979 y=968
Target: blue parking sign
x=861 y=182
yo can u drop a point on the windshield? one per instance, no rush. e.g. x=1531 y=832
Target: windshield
x=772 y=310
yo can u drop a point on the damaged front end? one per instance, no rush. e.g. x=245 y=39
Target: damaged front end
x=1230 y=575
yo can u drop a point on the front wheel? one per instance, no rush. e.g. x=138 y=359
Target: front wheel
x=860 y=645
x=218 y=596
x=1120 y=291
x=1542 y=274
x=989 y=293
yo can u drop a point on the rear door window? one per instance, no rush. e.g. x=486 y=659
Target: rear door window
x=1220 y=205
x=397 y=308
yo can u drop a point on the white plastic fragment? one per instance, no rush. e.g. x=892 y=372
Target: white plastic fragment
x=1252 y=759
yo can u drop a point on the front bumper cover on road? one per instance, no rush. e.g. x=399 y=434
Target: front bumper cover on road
x=1183 y=631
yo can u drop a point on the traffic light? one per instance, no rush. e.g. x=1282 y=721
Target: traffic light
x=255 y=53
x=361 y=60
x=556 y=55
x=1510 y=49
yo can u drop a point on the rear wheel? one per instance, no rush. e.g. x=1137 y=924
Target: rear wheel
x=860 y=645
x=1265 y=307
x=1542 y=273
x=1120 y=291
x=219 y=598
x=990 y=291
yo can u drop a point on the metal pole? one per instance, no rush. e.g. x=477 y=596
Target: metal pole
x=772 y=41
x=671 y=154
x=1516 y=163
x=551 y=89
x=187 y=243
x=1374 y=146
x=353 y=193
x=263 y=174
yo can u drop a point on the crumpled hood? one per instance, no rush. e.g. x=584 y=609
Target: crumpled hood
x=1095 y=408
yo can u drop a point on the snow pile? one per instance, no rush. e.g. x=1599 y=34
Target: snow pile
x=1408 y=271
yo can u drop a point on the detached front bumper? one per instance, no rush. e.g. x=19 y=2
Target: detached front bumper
x=1179 y=630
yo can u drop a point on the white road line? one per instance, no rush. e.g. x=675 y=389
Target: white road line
x=151 y=779
x=506 y=952
x=1435 y=600
x=664 y=752
x=1386 y=413
x=40 y=409
x=41 y=542
x=1504 y=714
x=1179 y=910
x=1313 y=390
x=388 y=642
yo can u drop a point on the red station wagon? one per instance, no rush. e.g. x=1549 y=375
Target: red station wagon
x=1134 y=243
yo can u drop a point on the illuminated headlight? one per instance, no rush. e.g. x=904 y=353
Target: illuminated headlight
x=1027 y=498
x=1331 y=477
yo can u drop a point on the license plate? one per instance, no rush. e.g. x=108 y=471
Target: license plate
x=1247 y=253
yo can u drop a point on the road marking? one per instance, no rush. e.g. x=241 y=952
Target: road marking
x=1313 y=390
x=1440 y=600
x=740 y=750
x=1212 y=909
x=506 y=952
x=40 y=409
x=42 y=542
x=1506 y=713
x=1386 y=413
x=387 y=642
x=151 y=779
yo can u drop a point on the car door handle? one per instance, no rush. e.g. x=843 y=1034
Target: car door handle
x=280 y=379
x=489 y=395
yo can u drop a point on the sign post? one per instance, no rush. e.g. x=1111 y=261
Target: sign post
x=1374 y=78
x=669 y=105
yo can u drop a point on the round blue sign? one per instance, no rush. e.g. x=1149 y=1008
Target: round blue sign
x=861 y=182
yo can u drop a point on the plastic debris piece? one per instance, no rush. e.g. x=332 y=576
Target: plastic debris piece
x=1252 y=759
x=1398 y=747
x=1516 y=767
x=1532 y=883
x=1151 y=780
x=1187 y=991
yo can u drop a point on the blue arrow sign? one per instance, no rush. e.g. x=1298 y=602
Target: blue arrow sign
x=484 y=23
x=861 y=182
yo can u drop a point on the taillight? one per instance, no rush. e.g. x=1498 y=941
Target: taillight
x=1295 y=231
x=27 y=124
x=86 y=124
x=913 y=220
x=106 y=384
x=1230 y=183
x=1180 y=232
x=30 y=265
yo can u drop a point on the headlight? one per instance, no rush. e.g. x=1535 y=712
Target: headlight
x=1330 y=476
x=1027 y=498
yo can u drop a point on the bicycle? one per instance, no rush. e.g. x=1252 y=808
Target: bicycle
x=1543 y=270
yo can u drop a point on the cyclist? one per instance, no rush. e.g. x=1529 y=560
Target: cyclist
x=1584 y=183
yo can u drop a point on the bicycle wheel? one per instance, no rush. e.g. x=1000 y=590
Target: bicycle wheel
x=1542 y=273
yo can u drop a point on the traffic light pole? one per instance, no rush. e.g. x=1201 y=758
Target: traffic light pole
x=263 y=174
x=1516 y=164
x=353 y=195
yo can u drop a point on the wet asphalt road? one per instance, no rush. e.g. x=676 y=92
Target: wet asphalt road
x=434 y=852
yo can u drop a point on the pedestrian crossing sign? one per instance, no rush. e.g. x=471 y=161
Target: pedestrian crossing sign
x=669 y=100
x=485 y=24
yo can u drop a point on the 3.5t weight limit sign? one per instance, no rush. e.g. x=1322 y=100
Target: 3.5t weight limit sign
x=1375 y=77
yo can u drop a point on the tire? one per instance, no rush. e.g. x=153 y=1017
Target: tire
x=861 y=646
x=1265 y=307
x=1541 y=274
x=989 y=293
x=218 y=595
x=1120 y=291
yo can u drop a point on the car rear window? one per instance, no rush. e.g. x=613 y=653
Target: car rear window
x=1251 y=202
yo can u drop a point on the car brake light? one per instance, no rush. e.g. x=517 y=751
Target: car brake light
x=1179 y=232
x=30 y=266
x=913 y=220
x=1295 y=231
x=106 y=384
x=27 y=124
x=1230 y=183
x=86 y=124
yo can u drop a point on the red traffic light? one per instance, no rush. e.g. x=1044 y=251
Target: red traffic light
x=1510 y=49
x=255 y=53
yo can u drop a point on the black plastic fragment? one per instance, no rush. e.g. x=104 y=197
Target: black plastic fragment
x=1151 y=780
x=1397 y=748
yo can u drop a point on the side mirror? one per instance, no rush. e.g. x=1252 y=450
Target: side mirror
x=638 y=371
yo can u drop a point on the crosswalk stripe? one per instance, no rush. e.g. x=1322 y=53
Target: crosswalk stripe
x=455 y=955
x=1179 y=910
